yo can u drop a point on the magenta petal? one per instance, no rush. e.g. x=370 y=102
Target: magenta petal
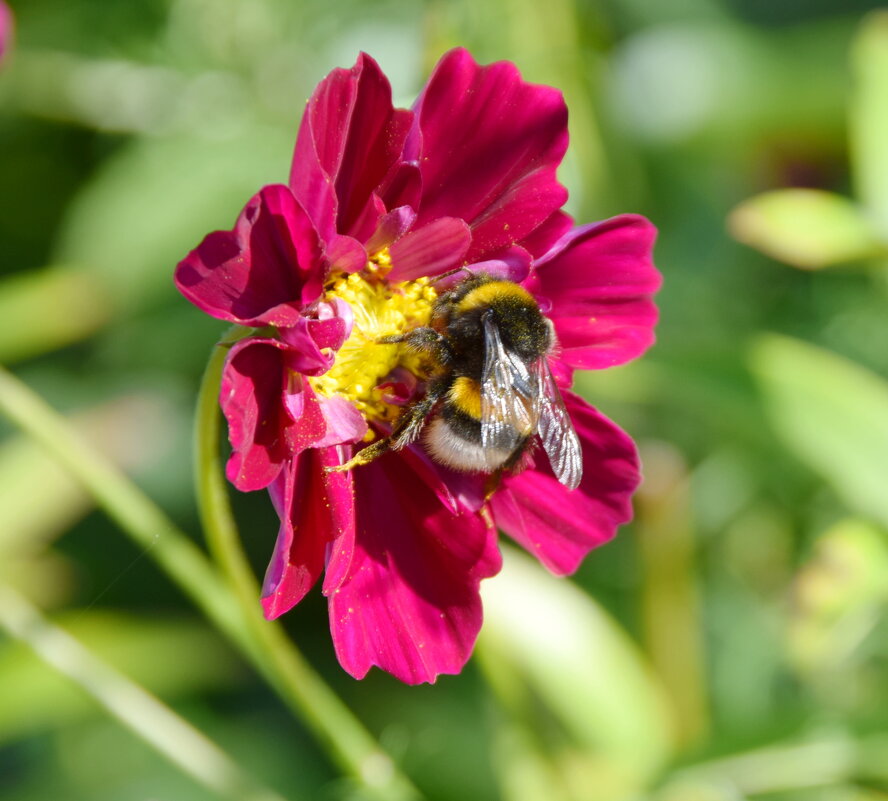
x=544 y=237
x=342 y=421
x=252 y=399
x=560 y=526
x=305 y=356
x=410 y=602
x=402 y=186
x=350 y=138
x=332 y=325
x=513 y=265
x=431 y=250
x=561 y=372
x=6 y=28
x=489 y=145
x=315 y=508
x=319 y=421
x=466 y=489
x=391 y=227
x=310 y=182
x=345 y=254
x=597 y=282
x=364 y=225
x=312 y=342
x=263 y=271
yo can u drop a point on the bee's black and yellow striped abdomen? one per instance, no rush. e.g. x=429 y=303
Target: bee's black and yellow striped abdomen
x=465 y=396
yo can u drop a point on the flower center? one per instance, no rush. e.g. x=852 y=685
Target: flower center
x=380 y=310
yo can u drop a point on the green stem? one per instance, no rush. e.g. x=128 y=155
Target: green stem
x=138 y=710
x=353 y=747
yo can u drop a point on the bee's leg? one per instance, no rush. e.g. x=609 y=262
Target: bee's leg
x=462 y=269
x=423 y=340
x=411 y=421
x=405 y=430
x=492 y=484
x=363 y=456
x=496 y=477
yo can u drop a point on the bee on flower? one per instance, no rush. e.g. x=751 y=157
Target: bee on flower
x=417 y=302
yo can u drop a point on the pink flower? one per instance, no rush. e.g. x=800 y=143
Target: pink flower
x=381 y=203
x=7 y=27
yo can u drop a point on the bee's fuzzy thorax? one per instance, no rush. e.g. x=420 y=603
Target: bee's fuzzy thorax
x=494 y=293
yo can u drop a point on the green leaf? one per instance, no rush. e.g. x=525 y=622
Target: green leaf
x=559 y=662
x=868 y=123
x=832 y=413
x=839 y=595
x=806 y=228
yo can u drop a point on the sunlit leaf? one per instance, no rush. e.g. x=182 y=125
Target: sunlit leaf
x=544 y=639
x=869 y=117
x=798 y=768
x=669 y=605
x=832 y=413
x=839 y=595
x=807 y=228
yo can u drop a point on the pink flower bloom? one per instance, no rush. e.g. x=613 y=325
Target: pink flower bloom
x=381 y=202
x=6 y=29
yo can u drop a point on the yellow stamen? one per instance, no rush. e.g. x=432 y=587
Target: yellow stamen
x=380 y=310
x=380 y=263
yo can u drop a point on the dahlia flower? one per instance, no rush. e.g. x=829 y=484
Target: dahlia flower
x=381 y=205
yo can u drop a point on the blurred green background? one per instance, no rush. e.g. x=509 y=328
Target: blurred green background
x=730 y=644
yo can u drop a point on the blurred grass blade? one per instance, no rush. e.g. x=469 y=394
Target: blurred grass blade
x=670 y=608
x=832 y=413
x=148 y=650
x=29 y=475
x=48 y=309
x=869 y=118
x=545 y=642
x=134 y=707
x=806 y=228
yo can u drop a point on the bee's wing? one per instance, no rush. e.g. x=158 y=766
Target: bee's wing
x=556 y=431
x=509 y=394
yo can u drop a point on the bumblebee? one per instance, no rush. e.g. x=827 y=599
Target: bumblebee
x=491 y=393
